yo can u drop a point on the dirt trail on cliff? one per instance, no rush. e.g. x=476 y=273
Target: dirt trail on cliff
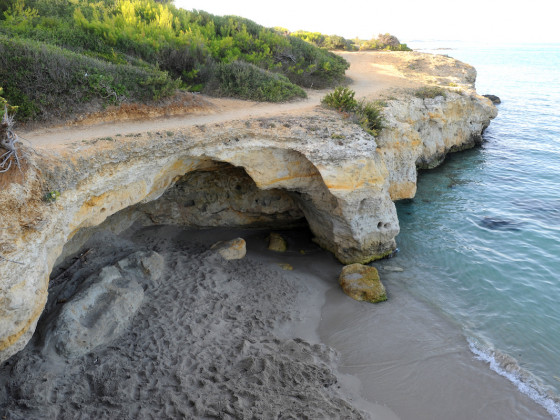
x=370 y=73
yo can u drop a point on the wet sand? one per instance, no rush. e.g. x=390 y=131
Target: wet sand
x=247 y=339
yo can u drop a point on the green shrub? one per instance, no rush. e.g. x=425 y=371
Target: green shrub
x=368 y=114
x=341 y=99
x=46 y=81
x=247 y=81
x=430 y=92
x=186 y=44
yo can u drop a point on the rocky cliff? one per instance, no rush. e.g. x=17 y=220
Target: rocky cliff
x=316 y=168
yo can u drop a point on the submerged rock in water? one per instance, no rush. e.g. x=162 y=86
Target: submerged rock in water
x=494 y=223
x=277 y=243
x=104 y=305
x=231 y=250
x=361 y=282
x=495 y=99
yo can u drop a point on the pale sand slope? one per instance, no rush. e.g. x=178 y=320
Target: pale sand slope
x=240 y=339
x=370 y=72
x=203 y=344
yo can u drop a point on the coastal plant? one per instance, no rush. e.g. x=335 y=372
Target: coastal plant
x=247 y=81
x=141 y=50
x=341 y=99
x=430 y=92
x=47 y=81
x=368 y=114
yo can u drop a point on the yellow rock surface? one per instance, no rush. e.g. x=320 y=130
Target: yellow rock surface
x=361 y=282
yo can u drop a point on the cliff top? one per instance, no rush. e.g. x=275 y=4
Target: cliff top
x=373 y=74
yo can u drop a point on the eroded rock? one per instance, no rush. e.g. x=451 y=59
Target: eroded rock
x=361 y=282
x=100 y=312
x=495 y=99
x=277 y=243
x=231 y=250
x=103 y=306
x=345 y=189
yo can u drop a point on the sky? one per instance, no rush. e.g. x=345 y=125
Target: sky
x=492 y=21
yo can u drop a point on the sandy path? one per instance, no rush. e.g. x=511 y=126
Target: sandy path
x=370 y=72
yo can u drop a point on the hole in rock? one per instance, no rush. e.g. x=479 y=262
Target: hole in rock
x=222 y=195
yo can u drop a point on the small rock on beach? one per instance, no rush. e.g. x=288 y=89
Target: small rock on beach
x=361 y=282
x=231 y=250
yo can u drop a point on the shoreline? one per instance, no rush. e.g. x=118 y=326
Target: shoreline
x=400 y=359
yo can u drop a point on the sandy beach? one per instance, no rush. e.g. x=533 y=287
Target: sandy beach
x=250 y=339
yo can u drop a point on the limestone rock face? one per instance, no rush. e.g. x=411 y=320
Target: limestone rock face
x=361 y=282
x=222 y=196
x=279 y=169
x=231 y=250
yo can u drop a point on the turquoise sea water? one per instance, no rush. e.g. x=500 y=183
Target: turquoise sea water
x=483 y=232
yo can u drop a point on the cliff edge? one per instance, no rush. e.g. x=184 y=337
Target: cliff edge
x=275 y=165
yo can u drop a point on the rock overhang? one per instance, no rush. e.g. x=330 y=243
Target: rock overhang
x=343 y=180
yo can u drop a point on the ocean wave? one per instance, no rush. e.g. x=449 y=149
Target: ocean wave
x=527 y=383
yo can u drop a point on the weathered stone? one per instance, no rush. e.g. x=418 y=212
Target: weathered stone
x=361 y=282
x=143 y=265
x=495 y=99
x=276 y=242
x=98 y=313
x=343 y=188
x=231 y=250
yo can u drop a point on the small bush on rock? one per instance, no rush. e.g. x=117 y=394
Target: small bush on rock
x=366 y=113
x=341 y=99
x=370 y=116
x=429 y=92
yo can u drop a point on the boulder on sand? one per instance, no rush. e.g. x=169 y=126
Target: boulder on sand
x=104 y=305
x=361 y=282
x=231 y=250
x=277 y=243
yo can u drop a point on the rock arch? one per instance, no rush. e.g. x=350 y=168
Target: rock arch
x=342 y=205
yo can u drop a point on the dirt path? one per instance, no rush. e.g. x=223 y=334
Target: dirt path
x=370 y=72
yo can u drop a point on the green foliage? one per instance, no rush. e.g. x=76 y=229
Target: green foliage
x=430 y=92
x=385 y=42
x=334 y=42
x=47 y=81
x=368 y=114
x=155 y=38
x=330 y=42
x=247 y=81
x=51 y=196
x=341 y=99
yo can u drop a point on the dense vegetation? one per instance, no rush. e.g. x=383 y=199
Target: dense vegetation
x=385 y=42
x=58 y=56
x=366 y=113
